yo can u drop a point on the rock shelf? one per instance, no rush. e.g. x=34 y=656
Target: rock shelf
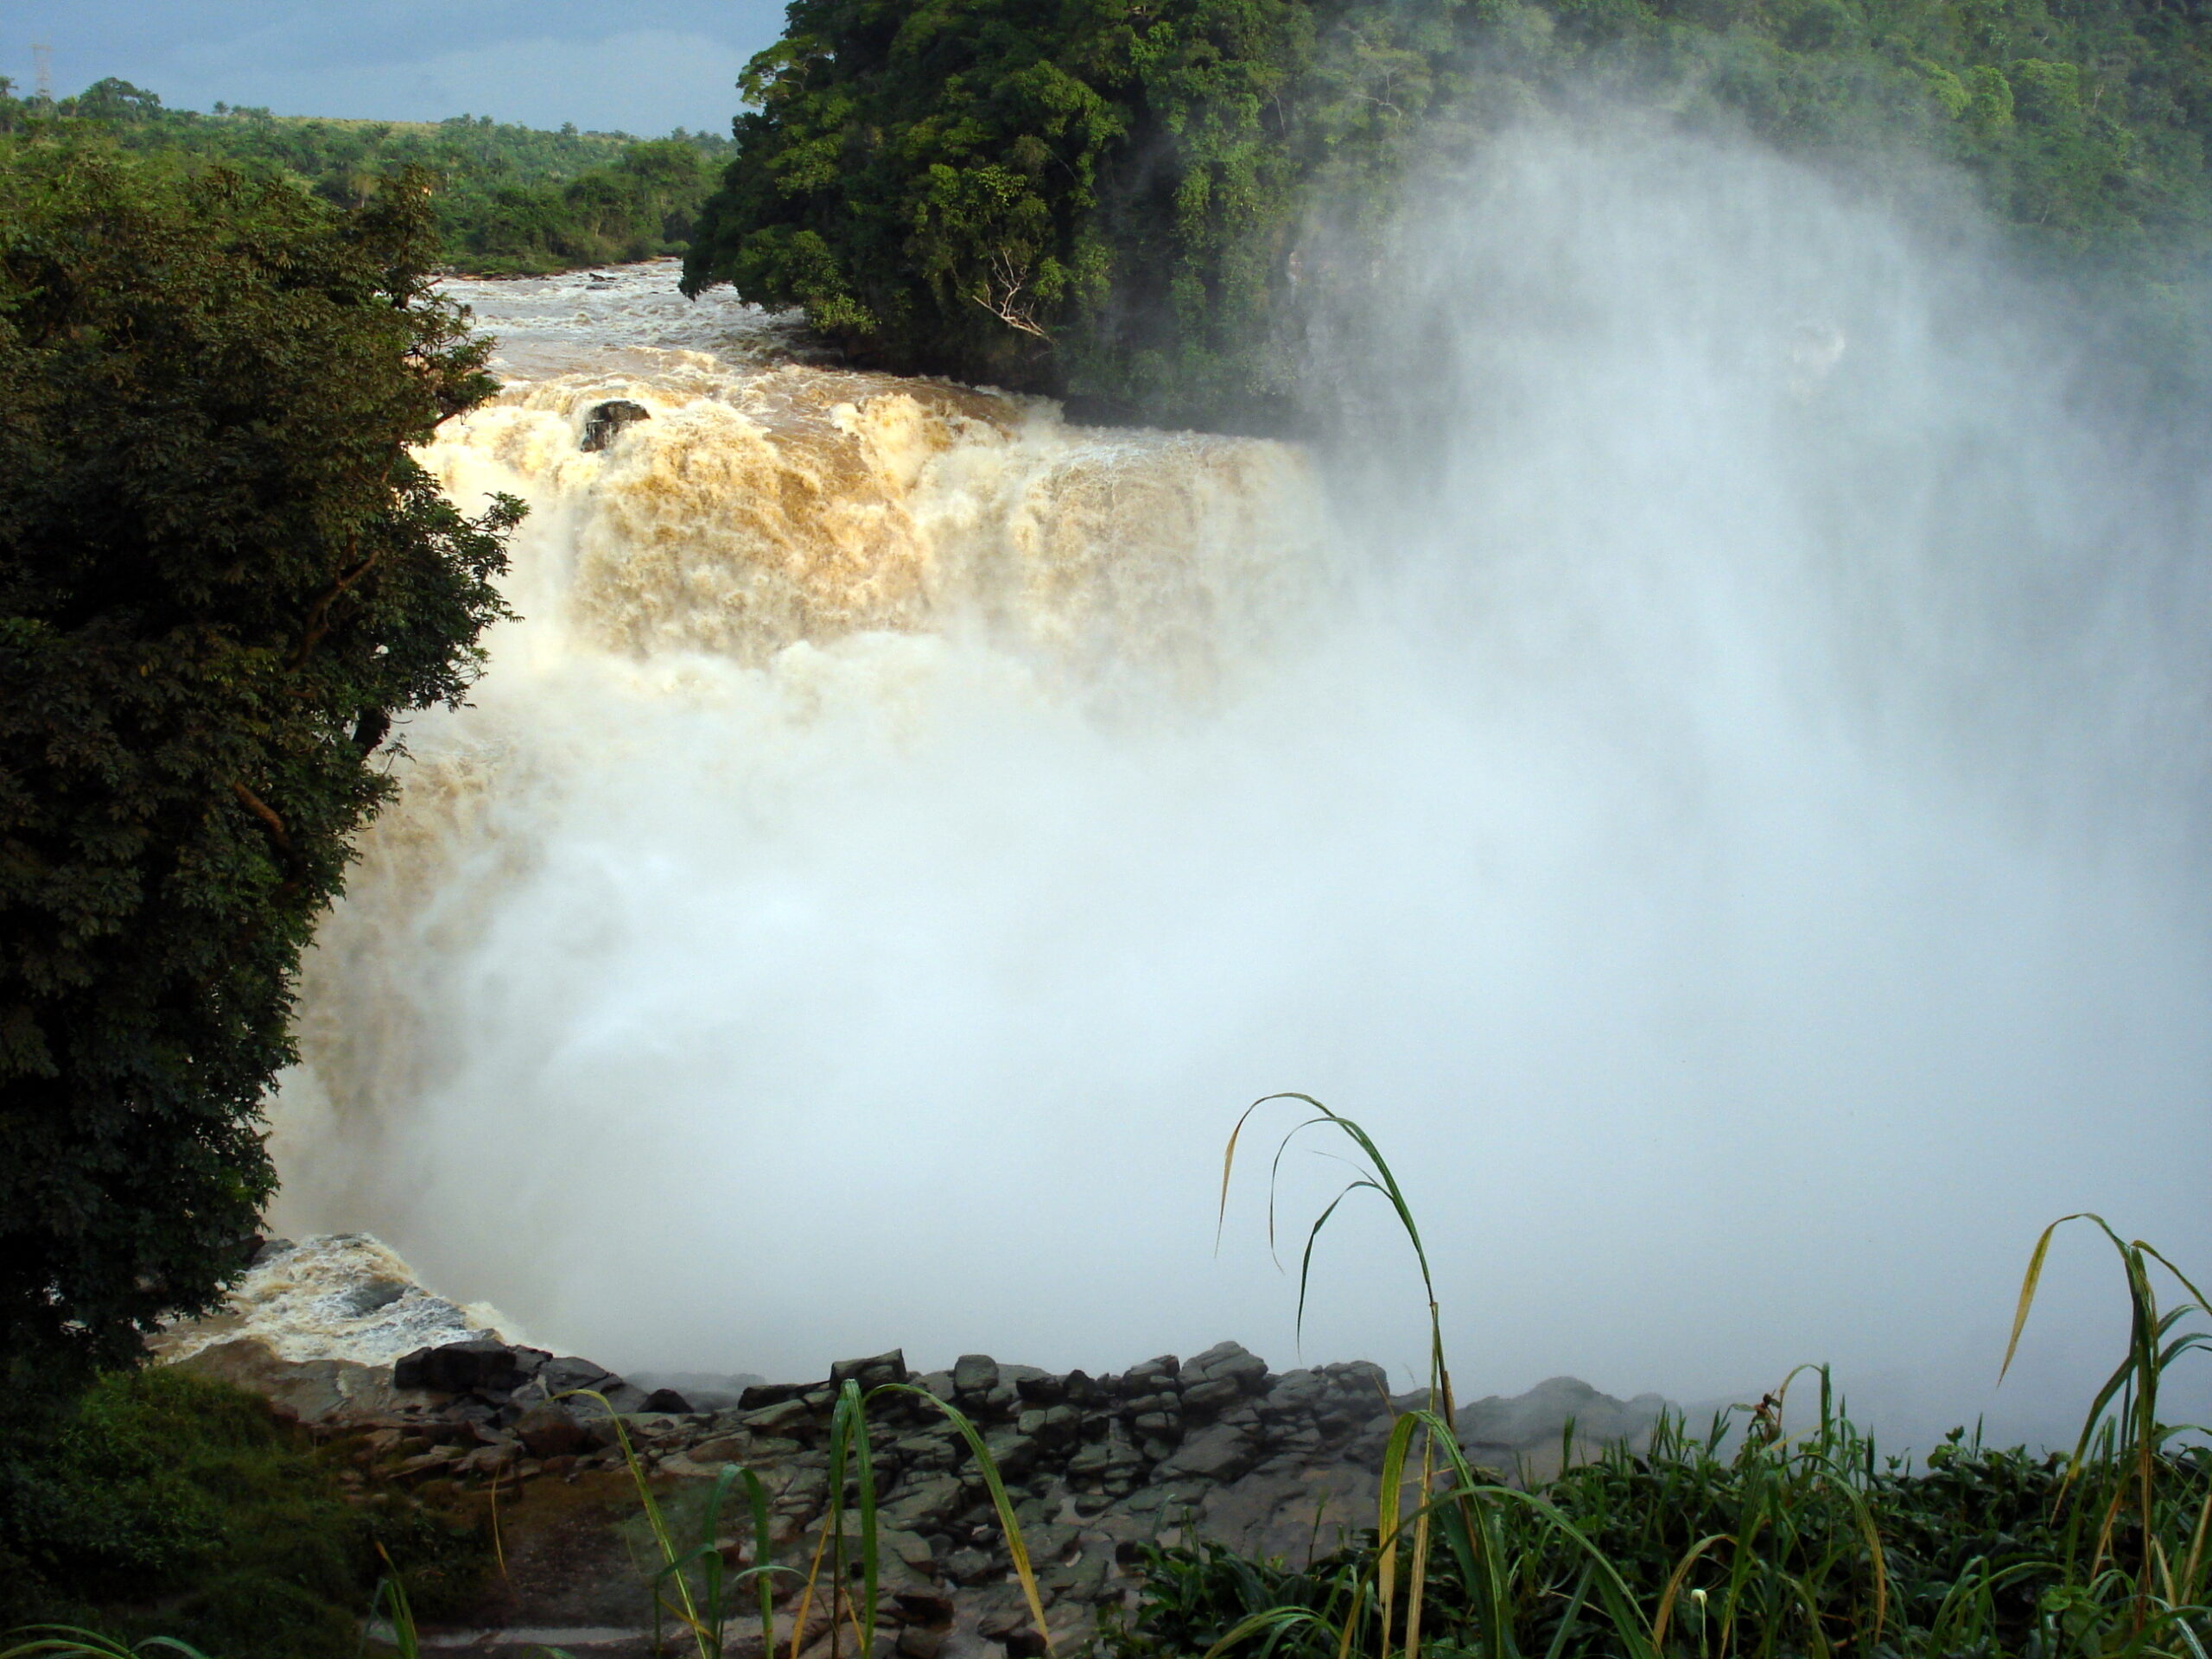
x=1216 y=1446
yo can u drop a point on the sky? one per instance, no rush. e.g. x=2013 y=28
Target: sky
x=646 y=65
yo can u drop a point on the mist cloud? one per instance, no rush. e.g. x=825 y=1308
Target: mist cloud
x=1714 y=780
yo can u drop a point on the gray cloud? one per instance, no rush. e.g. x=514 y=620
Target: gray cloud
x=645 y=67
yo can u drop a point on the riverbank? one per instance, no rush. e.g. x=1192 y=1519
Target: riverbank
x=1218 y=1447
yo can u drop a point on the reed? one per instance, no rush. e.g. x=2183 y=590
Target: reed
x=1741 y=1541
x=1745 y=1540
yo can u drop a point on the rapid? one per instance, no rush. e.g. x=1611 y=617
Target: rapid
x=1708 y=764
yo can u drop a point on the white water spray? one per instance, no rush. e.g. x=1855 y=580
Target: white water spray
x=1716 y=798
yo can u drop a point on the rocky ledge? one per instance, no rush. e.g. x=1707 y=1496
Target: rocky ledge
x=1215 y=1446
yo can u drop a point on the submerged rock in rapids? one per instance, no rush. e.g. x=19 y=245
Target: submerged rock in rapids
x=605 y=422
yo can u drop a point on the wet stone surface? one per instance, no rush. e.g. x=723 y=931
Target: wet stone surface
x=1216 y=1446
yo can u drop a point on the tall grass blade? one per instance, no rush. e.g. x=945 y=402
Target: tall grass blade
x=70 y=1642
x=1017 y=1550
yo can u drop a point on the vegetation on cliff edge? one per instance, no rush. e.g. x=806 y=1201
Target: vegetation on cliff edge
x=1119 y=199
x=221 y=577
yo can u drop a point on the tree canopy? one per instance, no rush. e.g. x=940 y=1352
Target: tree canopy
x=508 y=200
x=221 y=575
x=1104 y=198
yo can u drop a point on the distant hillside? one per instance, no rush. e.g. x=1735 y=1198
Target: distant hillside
x=512 y=199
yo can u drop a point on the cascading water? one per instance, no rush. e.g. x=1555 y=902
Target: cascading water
x=1717 y=791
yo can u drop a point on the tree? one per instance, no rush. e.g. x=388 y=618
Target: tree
x=221 y=575
x=1144 y=204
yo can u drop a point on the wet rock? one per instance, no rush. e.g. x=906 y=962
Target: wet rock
x=1153 y=1376
x=1204 y=1398
x=437 y=1460
x=761 y=1395
x=910 y=1548
x=1015 y=1452
x=932 y=1448
x=487 y=1461
x=666 y=1399
x=975 y=1374
x=550 y=1430
x=1222 y=1452
x=1227 y=1362
x=790 y=1418
x=563 y=1375
x=1047 y=1541
x=476 y=1366
x=1046 y=1390
x=970 y=1565
x=364 y=1299
x=871 y=1373
x=605 y=422
x=1004 y=1614
x=1082 y=1580
x=621 y=1398
x=923 y=1607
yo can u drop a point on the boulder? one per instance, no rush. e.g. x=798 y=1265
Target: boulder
x=551 y=1430
x=924 y=1504
x=970 y=1566
x=605 y=421
x=925 y=1607
x=1211 y=1393
x=666 y=1399
x=974 y=1374
x=1220 y=1453
x=761 y=1395
x=1015 y=1452
x=561 y=1376
x=787 y=1418
x=307 y=1391
x=871 y=1373
x=1230 y=1359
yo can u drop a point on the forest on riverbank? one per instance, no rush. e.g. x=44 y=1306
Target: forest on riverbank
x=1143 y=204
x=510 y=200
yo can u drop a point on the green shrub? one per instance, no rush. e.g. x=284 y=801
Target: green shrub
x=164 y=1502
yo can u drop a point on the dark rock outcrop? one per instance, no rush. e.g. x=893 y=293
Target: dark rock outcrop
x=605 y=422
x=1215 y=1445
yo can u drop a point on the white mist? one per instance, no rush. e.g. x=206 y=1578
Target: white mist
x=1709 y=770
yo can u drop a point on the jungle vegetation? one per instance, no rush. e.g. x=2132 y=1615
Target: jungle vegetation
x=1116 y=200
x=222 y=575
x=508 y=200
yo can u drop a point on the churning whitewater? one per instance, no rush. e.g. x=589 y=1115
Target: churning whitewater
x=1714 y=783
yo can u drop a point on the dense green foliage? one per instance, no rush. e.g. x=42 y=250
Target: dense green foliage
x=221 y=577
x=1117 y=198
x=162 y=1503
x=509 y=199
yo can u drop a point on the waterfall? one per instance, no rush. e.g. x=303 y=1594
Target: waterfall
x=1714 y=783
